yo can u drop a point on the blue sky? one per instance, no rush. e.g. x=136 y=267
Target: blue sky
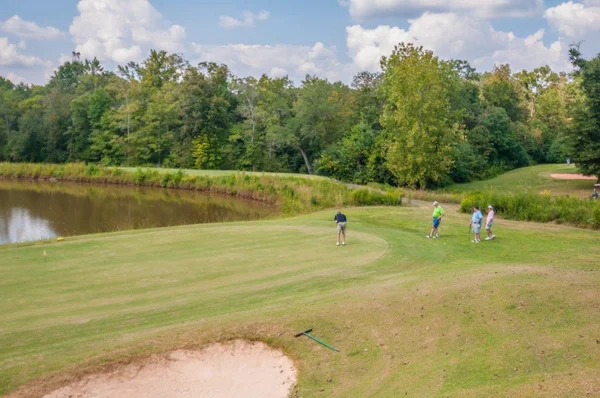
x=330 y=38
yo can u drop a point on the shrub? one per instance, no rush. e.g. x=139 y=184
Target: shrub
x=366 y=197
x=91 y=170
x=539 y=208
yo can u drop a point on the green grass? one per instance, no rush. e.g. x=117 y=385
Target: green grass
x=514 y=317
x=535 y=179
x=221 y=173
x=294 y=194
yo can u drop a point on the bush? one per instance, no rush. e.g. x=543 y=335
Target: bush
x=91 y=170
x=367 y=197
x=539 y=208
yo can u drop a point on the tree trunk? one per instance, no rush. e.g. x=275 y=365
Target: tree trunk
x=306 y=160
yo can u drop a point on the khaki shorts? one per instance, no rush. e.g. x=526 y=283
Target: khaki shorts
x=341 y=227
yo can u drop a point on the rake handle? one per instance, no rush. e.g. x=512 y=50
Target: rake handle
x=320 y=342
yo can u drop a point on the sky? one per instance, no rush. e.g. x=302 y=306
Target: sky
x=333 y=39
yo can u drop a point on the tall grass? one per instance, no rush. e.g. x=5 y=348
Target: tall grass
x=539 y=208
x=430 y=196
x=294 y=194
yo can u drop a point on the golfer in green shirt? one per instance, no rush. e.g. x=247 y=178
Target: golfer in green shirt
x=438 y=213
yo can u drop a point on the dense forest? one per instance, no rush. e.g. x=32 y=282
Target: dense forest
x=420 y=121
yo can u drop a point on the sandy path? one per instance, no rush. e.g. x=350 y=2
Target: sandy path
x=237 y=369
x=572 y=177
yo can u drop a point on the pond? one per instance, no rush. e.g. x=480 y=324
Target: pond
x=32 y=210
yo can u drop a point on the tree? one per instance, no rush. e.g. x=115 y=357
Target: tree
x=506 y=146
x=78 y=134
x=368 y=102
x=8 y=112
x=321 y=116
x=349 y=160
x=250 y=132
x=584 y=136
x=207 y=107
x=277 y=97
x=501 y=90
x=534 y=84
x=28 y=144
x=417 y=118
x=152 y=142
x=418 y=122
x=57 y=118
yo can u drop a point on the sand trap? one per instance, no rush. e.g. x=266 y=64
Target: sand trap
x=237 y=369
x=572 y=177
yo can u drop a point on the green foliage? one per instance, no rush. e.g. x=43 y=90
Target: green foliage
x=293 y=194
x=584 y=135
x=349 y=160
x=322 y=116
x=468 y=165
x=501 y=90
x=506 y=147
x=419 y=122
x=366 y=196
x=535 y=207
x=417 y=118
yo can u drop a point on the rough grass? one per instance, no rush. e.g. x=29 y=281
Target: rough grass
x=513 y=317
x=294 y=194
x=535 y=179
x=220 y=173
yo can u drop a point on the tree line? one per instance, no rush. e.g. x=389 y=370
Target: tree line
x=420 y=122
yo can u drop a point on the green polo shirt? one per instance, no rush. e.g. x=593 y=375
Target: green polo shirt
x=438 y=212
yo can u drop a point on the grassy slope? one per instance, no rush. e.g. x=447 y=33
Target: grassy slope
x=533 y=179
x=508 y=317
x=220 y=173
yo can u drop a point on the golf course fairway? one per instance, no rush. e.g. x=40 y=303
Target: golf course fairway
x=517 y=316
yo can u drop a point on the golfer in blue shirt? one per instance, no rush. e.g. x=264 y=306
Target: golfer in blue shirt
x=341 y=220
x=476 y=220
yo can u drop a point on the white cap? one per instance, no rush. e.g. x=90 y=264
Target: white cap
x=490 y=207
x=435 y=203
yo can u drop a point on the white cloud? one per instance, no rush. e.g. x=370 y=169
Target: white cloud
x=293 y=60
x=528 y=53
x=29 y=30
x=171 y=39
x=121 y=31
x=575 y=20
x=248 y=21
x=10 y=56
x=362 y=9
x=277 y=72
x=16 y=79
x=459 y=37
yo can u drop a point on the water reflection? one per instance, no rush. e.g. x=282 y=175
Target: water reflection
x=38 y=210
x=20 y=226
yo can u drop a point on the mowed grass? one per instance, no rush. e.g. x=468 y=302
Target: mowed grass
x=535 y=179
x=517 y=316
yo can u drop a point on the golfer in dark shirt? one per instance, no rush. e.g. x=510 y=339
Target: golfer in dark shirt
x=340 y=219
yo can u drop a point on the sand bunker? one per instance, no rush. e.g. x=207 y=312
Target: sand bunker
x=237 y=369
x=572 y=177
